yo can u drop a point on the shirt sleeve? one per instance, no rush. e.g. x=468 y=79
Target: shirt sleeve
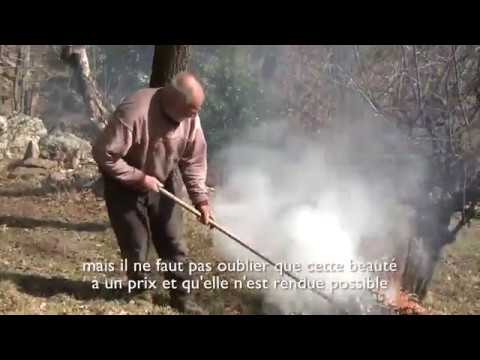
x=193 y=166
x=114 y=143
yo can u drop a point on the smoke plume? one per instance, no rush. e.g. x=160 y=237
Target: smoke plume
x=335 y=197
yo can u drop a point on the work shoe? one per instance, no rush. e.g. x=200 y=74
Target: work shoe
x=185 y=305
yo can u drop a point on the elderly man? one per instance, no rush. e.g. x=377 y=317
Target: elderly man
x=151 y=134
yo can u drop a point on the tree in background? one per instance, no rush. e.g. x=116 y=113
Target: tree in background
x=431 y=93
x=20 y=78
x=232 y=76
x=98 y=107
x=121 y=69
x=235 y=99
x=168 y=60
x=308 y=101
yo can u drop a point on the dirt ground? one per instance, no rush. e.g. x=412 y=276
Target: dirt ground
x=45 y=238
x=455 y=287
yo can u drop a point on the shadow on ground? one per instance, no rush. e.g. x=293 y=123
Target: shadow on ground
x=38 y=191
x=30 y=223
x=39 y=286
x=68 y=186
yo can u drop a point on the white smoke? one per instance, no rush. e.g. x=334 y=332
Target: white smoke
x=315 y=202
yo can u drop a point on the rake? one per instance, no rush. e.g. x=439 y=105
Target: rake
x=235 y=238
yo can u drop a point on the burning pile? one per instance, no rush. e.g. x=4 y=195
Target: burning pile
x=398 y=300
x=407 y=305
x=322 y=201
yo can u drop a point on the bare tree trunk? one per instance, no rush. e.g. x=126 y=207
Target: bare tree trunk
x=33 y=99
x=168 y=60
x=97 y=106
x=420 y=264
x=18 y=84
x=27 y=83
x=27 y=100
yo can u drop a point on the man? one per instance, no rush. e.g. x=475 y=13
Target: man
x=151 y=134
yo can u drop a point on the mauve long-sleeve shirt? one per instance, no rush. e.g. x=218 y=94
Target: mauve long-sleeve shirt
x=140 y=140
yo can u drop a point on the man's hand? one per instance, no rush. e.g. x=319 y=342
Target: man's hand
x=206 y=214
x=151 y=183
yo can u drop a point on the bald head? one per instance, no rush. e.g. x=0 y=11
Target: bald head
x=190 y=87
x=187 y=97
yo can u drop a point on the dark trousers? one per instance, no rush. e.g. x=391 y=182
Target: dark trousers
x=139 y=219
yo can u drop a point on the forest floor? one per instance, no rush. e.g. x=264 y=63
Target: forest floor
x=455 y=288
x=46 y=237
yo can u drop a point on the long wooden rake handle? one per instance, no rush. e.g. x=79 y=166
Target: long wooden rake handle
x=232 y=236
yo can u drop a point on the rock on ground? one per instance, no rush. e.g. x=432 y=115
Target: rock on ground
x=59 y=145
x=32 y=152
x=66 y=180
x=16 y=132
